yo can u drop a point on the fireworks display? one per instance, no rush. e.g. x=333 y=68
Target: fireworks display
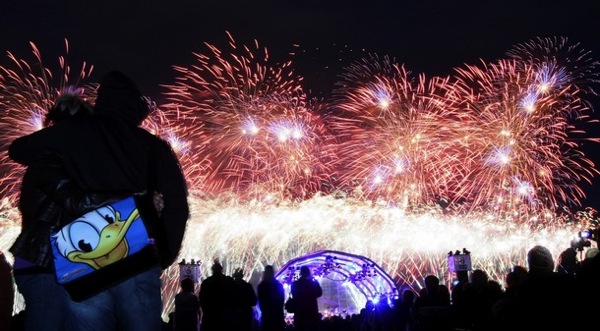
x=395 y=166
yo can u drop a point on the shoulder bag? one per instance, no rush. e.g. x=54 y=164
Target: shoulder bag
x=106 y=245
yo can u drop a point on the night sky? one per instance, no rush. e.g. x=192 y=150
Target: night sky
x=145 y=38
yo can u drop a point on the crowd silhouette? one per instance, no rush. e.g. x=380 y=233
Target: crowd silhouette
x=543 y=295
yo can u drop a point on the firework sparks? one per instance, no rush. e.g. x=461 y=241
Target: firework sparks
x=395 y=133
x=408 y=245
x=525 y=114
x=416 y=166
x=260 y=132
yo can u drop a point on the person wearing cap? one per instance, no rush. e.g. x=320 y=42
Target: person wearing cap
x=110 y=152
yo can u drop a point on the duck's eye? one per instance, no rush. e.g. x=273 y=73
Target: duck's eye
x=84 y=246
x=84 y=236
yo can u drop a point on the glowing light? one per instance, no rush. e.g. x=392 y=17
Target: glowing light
x=274 y=174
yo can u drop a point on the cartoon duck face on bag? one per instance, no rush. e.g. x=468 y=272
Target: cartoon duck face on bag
x=96 y=238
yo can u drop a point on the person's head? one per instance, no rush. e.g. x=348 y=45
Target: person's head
x=238 y=273
x=567 y=262
x=119 y=97
x=408 y=296
x=216 y=268
x=516 y=276
x=539 y=260
x=479 y=278
x=269 y=272
x=591 y=253
x=432 y=283
x=187 y=285
x=67 y=105
x=304 y=272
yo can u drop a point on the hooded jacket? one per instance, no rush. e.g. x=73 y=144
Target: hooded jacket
x=108 y=153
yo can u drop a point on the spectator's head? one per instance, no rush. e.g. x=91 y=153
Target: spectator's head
x=479 y=278
x=216 y=268
x=539 y=260
x=187 y=285
x=238 y=273
x=408 y=296
x=67 y=105
x=269 y=272
x=119 y=97
x=304 y=272
x=432 y=283
x=515 y=277
x=567 y=262
x=591 y=253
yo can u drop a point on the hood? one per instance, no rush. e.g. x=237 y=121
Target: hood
x=119 y=97
x=539 y=259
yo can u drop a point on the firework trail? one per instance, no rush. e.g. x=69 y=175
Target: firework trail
x=492 y=137
x=258 y=132
x=560 y=62
x=261 y=159
x=525 y=110
x=397 y=133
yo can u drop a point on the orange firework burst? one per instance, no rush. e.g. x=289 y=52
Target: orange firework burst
x=525 y=109
x=495 y=139
x=398 y=133
x=494 y=136
x=258 y=132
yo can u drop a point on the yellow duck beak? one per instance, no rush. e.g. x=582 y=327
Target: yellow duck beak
x=112 y=247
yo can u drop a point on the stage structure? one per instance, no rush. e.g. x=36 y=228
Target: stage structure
x=348 y=280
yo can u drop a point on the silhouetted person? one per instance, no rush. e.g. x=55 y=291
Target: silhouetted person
x=546 y=298
x=187 y=307
x=365 y=315
x=567 y=262
x=217 y=300
x=271 y=296
x=479 y=296
x=306 y=291
x=110 y=152
x=505 y=311
x=244 y=301
x=431 y=311
x=381 y=318
x=6 y=293
x=588 y=284
x=45 y=188
x=404 y=309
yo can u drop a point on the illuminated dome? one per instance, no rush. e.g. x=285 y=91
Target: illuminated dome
x=348 y=280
